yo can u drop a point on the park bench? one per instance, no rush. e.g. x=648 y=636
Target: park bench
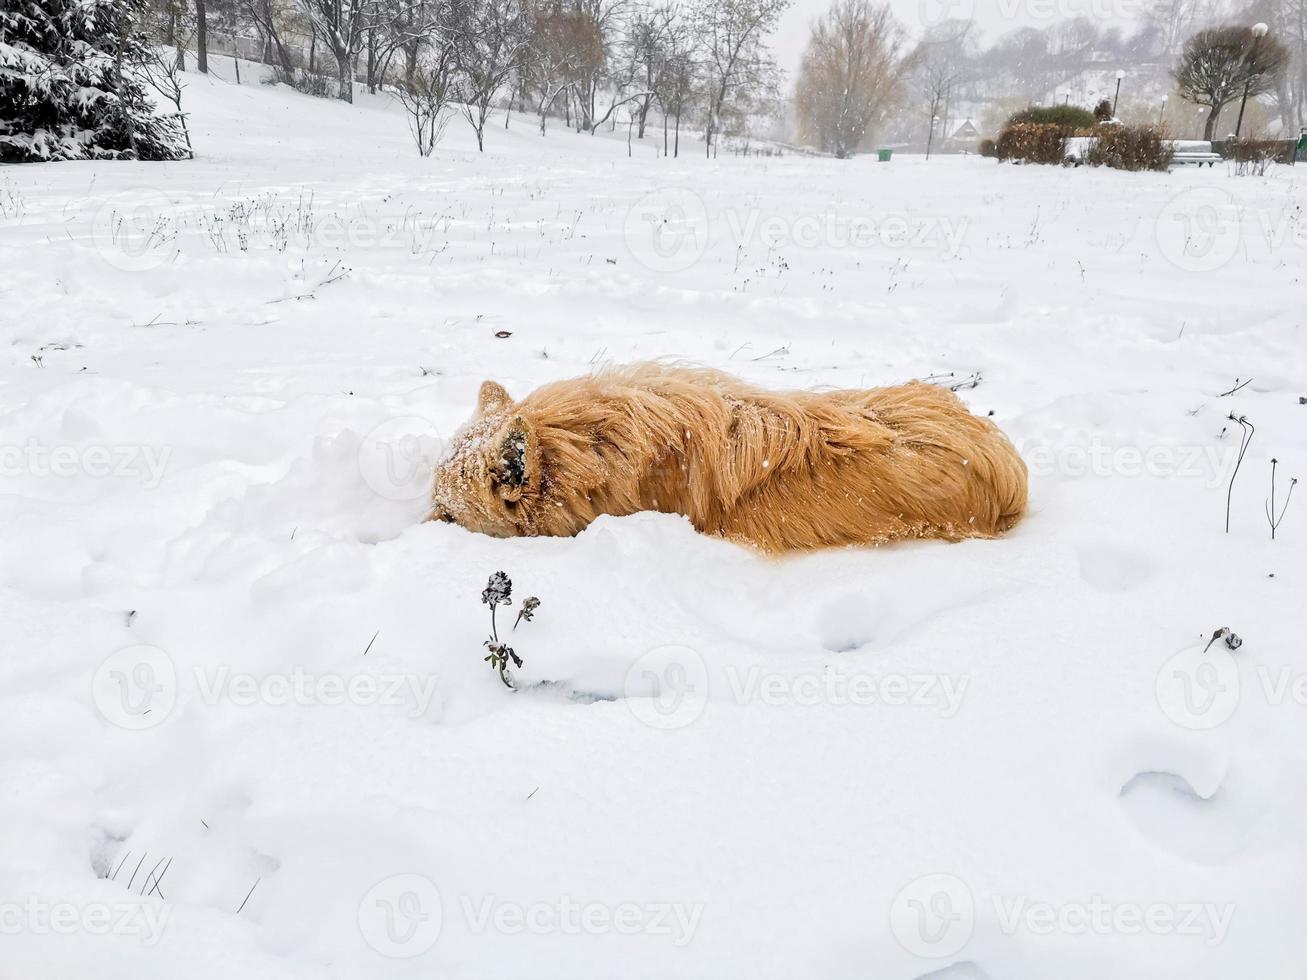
x=1194 y=152
x=1187 y=152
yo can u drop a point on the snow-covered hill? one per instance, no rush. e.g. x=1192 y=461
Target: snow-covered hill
x=245 y=724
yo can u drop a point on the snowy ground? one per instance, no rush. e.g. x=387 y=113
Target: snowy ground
x=232 y=653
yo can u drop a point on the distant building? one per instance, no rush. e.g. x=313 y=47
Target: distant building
x=963 y=139
x=966 y=133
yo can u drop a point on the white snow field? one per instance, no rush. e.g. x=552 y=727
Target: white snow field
x=234 y=657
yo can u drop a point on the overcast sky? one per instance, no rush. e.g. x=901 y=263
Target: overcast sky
x=993 y=17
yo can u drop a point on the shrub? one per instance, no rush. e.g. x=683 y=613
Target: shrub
x=309 y=83
x=1032 y=143
x=1130 y=148
x=987 y=148
x=1103 y=111
x=1069 y=118
x=1254 y=157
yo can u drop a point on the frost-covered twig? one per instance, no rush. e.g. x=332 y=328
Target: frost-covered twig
x=159 y=881
x=1246 y=430
x=248 y=894
x=1271 y=517
x=951 y=382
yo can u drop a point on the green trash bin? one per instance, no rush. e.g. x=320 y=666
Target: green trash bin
x=884 y=155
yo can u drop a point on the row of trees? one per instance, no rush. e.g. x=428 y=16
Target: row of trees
x=861 y=76
x=1031 y=65
x=583 y=59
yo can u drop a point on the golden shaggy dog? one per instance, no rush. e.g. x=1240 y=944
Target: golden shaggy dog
x=782 y=471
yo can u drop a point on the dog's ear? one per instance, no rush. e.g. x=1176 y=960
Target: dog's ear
x=515 y=459
x=491 y=397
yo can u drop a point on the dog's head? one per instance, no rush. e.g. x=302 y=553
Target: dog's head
x=489 y=480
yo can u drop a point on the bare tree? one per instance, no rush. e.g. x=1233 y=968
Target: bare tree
x=426 y=96
x=1170 y=22
x=1220 y=64
x=624 y=88
x=346 y=26
x=677 y=84
x=407 y=25
x=489 y=37
x=647 y=37
x=735 y=59
x=266 y=17
x=593 y=72
x=163 y=72
x=170 y=22
x=562 y=41
x=341 y=25
x=938 y=67
x=850 y=75
x=1288 y=22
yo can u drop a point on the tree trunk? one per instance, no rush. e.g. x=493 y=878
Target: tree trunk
x=124 y=116
x=372 y=62
x=172 y=37
x=344 y=76
x=410 y=60
x=1212 y=118
x=201 y=37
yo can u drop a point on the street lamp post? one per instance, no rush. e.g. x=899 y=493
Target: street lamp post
x=1259 y=32
x=1119 y=76
x=1161 y=120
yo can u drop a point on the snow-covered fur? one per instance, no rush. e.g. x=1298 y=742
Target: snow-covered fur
x=782 y=471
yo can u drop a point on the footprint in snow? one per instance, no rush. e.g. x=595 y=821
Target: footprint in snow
x=1206 y=821
x=1114 y=567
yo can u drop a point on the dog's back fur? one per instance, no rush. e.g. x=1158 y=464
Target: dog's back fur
x=782 y=471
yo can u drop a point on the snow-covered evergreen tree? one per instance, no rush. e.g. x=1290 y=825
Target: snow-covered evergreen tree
x=70 y=87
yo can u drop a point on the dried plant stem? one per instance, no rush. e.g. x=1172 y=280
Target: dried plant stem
x=1246 y=431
